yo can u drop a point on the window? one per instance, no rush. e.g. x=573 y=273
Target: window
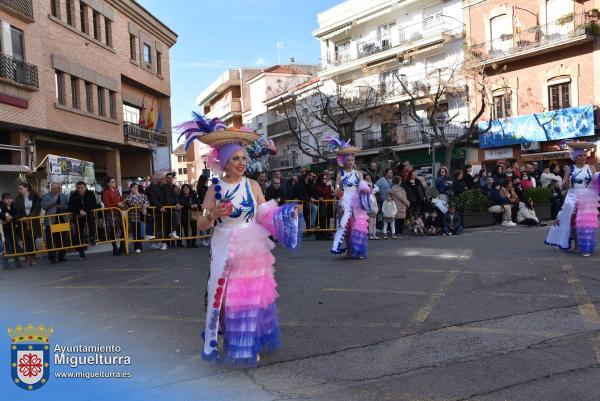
x=59 y=80
x=101 y=102
x=69 y=10
x=185 y=170
x=502 y=107
x=108 y=31
x=16 y=37
x=131 y=114
x=55 y=8
x=501 y=30
x=386 y=81
x=179 y=159
x=384 y=35
x=96 y=24
x=180 y=171
x=147 y=54
x=342 y=51
x=75 y=93
x=158 y=63
x=112 y=104
x=89 y=97
x=132 y=48
x=83 y=17
x=559 y=96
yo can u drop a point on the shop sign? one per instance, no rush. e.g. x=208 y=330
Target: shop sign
x=501 y=153
x=552 y=125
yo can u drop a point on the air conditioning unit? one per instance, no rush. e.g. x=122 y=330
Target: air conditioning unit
x=530 y=146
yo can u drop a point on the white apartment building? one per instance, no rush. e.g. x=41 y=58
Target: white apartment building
x=380 y=42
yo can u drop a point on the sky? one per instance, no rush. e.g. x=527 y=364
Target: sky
x=218 y=34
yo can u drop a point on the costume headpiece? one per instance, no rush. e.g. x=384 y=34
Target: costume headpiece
x=343 y=149
x=223 y=141
x=259 y=153
x=576 y=148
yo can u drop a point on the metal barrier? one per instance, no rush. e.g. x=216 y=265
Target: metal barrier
x=319 y=216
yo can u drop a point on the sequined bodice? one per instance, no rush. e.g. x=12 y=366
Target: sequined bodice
x=581 y=177
x=350 y=180
x=243 y=201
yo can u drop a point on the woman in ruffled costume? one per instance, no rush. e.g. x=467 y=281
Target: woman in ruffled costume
x=241 y=288
x=354 y=202
x=579 y=213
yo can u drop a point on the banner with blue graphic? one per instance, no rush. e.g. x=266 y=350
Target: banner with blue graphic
x=552 y=125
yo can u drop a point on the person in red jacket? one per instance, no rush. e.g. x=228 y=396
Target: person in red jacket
x=112 y=200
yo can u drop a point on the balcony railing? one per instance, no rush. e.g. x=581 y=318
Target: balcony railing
x=410 y=134
x=135 y=133
x=22 y=8
x=19 y=71
x=434 y=28
x=224 y=107
x=551 y=34
x=282 y=126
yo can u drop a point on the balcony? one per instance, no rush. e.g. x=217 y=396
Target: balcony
x=19 y=71
x=281 y=162
x=135 y=133
x=19 y=8
x=428 y=32
x=537 y=39
x=409 y=134
x=225 y=109
x=282 y=126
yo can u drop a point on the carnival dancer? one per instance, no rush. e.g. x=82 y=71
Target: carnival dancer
x=354 y=201
x=241 y=288
x=579 y=213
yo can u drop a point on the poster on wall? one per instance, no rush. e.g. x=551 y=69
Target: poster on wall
x=552 y=125
x=67 y=170
x=161 y=159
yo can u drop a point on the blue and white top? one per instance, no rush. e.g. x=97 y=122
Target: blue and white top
x=581 y=177
x=350 y=180
x=242 y=198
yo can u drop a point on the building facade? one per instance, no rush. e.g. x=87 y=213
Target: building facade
x=542 y=84
x=77 y=78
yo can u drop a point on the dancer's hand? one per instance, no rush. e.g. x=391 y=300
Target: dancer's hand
x=295 y=212
x=223 y=209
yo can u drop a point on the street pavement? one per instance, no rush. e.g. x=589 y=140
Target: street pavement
x=489 y=315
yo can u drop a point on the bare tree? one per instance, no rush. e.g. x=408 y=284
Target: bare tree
x=317 y=109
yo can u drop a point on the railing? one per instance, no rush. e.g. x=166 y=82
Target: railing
x=373 y=140
x=436 y=28
x=19 y=71
x=282 y=126
x=410 y=134
x=21 y=7
x=134 y=132
x=550 y=34
x=225 y=107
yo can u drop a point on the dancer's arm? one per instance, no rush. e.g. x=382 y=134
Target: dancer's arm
x=212 y=211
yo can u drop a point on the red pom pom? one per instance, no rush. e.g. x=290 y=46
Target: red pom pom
x=221 y=281
x=216 y=304
x=219 y=290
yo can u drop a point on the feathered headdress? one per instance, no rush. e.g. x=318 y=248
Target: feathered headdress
x=343 y=149
x=197 y=127
x=259 y=152
x=575 y=148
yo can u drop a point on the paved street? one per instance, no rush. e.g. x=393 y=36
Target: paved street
x=489 y=315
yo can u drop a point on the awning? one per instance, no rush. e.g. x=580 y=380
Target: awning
x=561 y=154
x=14 y=168
x=335 y=32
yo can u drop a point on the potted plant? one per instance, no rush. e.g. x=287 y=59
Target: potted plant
x=565 y=19
x=541 y=201
x=473 y=205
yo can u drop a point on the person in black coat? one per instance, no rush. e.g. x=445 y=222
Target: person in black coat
x=82 y=203
x=458 y=185
x=305 y=191
x=8 y=218
x=468 y=177
x=160 y=196
x=187 y=201
x=415 y=193
x=275 y=191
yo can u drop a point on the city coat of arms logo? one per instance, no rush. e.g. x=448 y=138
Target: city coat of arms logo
x=30 y=356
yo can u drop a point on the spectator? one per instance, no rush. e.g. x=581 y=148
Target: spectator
x=28 y=204
x=557 y=199
x=481 y=179
x=275 y=192
x=330 y=180
x=162 y=196
x=172 y=193
x=458 y=185
x=468 y=177
x=82 y=203
x=373 y=171
x=112 y=218
x=405 y=170
x=187 y=202
x=325 y=194
x=149 y=221
x=433 y=223
x=516 y=171
x=417 y=226
x=415 y=193
x=372 y=213
x=507 y=191
x=201 y=189
x=138 y=204
x=389 y=210
x=8 y=217
x=526 y=181
x=499 y=175
x=556 y=170
x=489 y=181
x=305 y=191
x=292 y=185
x=500 y=204
x=440 y=183
x=402 y=204
x=262 y=182
x=55 y=202
x=517 y=188
x=534 y=171
x=526 y=214
x=548 y=176
x=384 y=184
x=452 y=222
x=283 y=185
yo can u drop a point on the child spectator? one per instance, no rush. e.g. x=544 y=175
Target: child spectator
x=433 y=224
x=389 y=214
x=452 y=222
x=526 y=214
x=418 y=226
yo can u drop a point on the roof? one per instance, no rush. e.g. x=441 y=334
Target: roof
x=179 y=150
x=297 y=87
x=285 y=69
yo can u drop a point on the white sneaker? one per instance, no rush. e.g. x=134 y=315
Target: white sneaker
x=150 y=236
x=174 y=235
x=205 y=242
x=510 y=224
x=138 y=251
x=155 y=245
x=163 y=247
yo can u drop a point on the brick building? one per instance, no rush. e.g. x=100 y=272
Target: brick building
x=74 y=76
x=543 y=86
